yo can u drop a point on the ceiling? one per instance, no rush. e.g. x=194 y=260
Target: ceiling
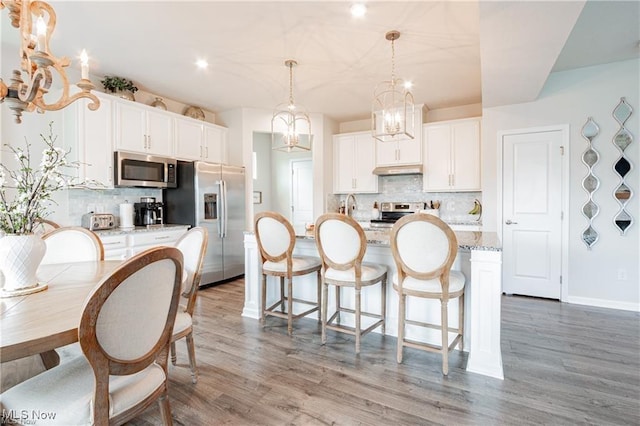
x=341 y=59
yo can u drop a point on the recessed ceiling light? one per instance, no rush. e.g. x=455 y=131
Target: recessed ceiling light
x=358 y=10
x=202 y=64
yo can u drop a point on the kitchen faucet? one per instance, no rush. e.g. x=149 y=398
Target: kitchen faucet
x=346 y=203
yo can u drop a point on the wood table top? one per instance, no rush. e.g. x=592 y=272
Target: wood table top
x=49 y=319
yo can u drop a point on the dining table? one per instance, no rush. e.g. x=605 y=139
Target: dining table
x=39 y=323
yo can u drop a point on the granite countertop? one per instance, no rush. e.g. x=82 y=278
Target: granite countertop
x=137 y=229
x=467 y=240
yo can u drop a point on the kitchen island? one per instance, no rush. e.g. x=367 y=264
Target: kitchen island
x=479 y=258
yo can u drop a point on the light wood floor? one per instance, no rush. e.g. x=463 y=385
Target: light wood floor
x=563 y=364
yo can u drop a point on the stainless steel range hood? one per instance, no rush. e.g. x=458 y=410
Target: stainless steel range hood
x=398 y=170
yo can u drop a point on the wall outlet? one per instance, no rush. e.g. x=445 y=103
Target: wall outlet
x=622 y=274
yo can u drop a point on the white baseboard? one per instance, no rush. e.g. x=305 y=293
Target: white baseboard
x=600 y=303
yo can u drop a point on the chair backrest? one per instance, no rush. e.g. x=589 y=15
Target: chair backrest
x=42 y=226
x=276 y=237
x=341 y=242
x=72 y=244
x=193 y=246
x=127 y=320
x=423 y=247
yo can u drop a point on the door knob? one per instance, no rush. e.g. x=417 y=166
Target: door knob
x=509 y=222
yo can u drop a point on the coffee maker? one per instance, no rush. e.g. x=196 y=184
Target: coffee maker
x=148 y=212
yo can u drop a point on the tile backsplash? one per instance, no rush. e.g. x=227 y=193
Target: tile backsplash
x=82 y=201
x=454 y=205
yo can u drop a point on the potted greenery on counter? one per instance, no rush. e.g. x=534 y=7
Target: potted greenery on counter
x=120 y=86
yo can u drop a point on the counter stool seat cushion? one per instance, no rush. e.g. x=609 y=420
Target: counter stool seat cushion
x=433 y=286
x=370 y=272
x=299 y=264
x=70 y=387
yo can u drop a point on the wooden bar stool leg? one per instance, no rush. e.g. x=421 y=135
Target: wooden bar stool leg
x=358 y=310
x=401 y=313
x=338 y=304
x=264 y=299
x=320 y=304
x=383 y=308
x=445 y=336
x=282 y=293
x=325 y=297
x=461 y=322
x=290 y=306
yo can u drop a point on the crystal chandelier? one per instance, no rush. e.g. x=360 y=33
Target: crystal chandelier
x=392 y=110
x=36 y=20
x=290 y=124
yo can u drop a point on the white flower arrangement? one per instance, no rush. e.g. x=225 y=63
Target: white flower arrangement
x=33 y=187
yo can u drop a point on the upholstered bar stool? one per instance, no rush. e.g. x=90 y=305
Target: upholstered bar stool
x=424 y=248
x=276 y=241
x=342 y=245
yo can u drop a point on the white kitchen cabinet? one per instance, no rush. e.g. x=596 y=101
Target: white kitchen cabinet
x=354 y=161
x=123 y=246
x=140 y=128
x=404 y=150
x=89 y=137
x=452 y=156
x=200 y=141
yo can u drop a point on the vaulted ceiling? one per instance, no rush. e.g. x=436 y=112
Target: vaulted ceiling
x=454 y=52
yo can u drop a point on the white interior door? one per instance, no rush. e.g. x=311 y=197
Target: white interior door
x=531 y=216
x=301 y=194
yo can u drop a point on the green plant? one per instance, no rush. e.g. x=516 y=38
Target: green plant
x=115 y=84
x=33 y=186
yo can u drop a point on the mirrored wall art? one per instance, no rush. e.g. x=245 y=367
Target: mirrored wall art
x=622 y=166
x=590 y=183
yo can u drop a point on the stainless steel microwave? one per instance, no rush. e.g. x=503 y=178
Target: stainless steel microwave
x=148 y=171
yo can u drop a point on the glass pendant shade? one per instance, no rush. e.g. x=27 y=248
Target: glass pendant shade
x=392 y=109
x=290 y=124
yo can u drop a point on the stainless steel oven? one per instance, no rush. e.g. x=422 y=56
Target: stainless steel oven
x=148 y=171
x=390 y=212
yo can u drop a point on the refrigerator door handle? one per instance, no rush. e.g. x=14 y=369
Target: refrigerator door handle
x=219 y=208
x=225 y=209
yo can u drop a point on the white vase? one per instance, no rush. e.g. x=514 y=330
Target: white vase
x=20 y=256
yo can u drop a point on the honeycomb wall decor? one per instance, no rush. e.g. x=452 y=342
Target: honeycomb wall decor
x=590 y=183
x=622 y=193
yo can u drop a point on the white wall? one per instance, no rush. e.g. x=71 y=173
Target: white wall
x=571 y=97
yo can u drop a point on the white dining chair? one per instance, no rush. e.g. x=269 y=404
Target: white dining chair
x=276 y=240
x=42 y=226
x=342 y=244
x=193 y=245
x=424 y=249
x=125 y=334
x=72 y=244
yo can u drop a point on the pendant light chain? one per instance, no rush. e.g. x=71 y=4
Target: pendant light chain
x=393 y=62
x=291 y=84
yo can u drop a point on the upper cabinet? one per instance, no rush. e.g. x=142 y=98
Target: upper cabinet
x=404 y=150
x=89 y=136
x=197 y=140
x=452 y=156
x=353 y=163
x=140 y=128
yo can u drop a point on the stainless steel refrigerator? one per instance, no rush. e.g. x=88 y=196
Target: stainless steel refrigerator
x=212 y=196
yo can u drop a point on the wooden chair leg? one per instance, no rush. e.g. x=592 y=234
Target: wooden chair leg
x=264 y=299
x=338 y=303
x=383 y=307
x=358 y=310
x=319 y=282
x=192 y=357
x=50 y=359
x=325 y=297
x=290 y=306
x=282 y=294
x=401 y=312
x=174 y=358
x=461 y=322
x=444 y=310
x=165 y=409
